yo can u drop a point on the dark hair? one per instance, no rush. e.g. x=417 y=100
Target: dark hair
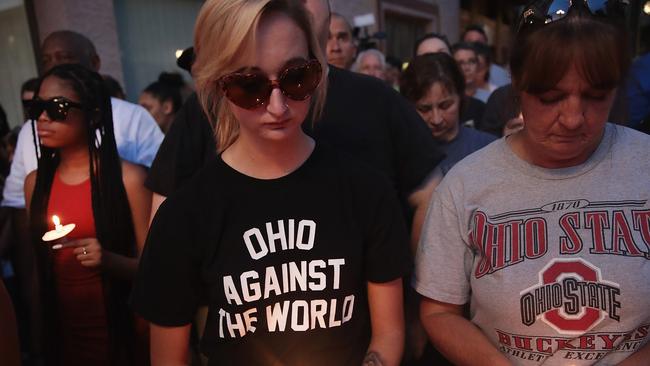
x=425 y=70
x=4 y=124
x=431 y=35
x=345 y=20
x=482 y=49
x=168 y=87
x=114 y=88
x=394 y=62
x=29 y=86
x=474 y=28
x=111 y=212
x=464 y=46
x=541 y=55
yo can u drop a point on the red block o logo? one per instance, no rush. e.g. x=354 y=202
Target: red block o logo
x=554 y=317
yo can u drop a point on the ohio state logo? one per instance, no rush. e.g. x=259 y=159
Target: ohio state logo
x=571 y=297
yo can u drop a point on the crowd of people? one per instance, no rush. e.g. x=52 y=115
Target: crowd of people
x=291 y=210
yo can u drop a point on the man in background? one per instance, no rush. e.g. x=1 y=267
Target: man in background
x=341 y=47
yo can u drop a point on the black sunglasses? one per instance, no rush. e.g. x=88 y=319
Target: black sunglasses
x=251 y=90
x=544 y=12
x=57 y=108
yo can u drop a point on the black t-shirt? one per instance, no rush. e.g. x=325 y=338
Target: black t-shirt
x=362 y=117
x=187 y=146
x=284 y=262
x=472 y=112
x=501 y=107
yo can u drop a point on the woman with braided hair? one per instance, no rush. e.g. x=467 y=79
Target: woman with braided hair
x=86 y=282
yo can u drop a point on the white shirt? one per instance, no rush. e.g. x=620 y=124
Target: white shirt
x=136 y=133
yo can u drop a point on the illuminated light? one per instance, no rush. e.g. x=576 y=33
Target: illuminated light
x=179 y=53
x=560 y=12
x=405 y=65
x=646 y=8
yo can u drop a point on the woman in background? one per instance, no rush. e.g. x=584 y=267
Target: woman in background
x=435 y=85
x=545 y=232
x=163 y=98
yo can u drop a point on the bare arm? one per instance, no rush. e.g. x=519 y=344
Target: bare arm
x=30 y=182
x=387 y=320
x=156 y=201
x=139 y=201
x=420 y=200
x=638 y=358
x=169 y=345
x=89 y=251
x=449 y=332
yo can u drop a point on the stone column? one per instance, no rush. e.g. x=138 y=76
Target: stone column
x=94 y=19
x=449 y=11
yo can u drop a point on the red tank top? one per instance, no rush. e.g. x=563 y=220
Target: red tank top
x=80 y=296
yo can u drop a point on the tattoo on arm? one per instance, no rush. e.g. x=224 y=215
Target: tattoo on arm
x=372 y=359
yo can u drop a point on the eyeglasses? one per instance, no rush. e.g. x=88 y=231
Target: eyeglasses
x=470 y=62
x=57 y=108
x=251 y=90
x=535 y=15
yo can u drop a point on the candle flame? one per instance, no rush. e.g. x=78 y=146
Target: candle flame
x=56 y=220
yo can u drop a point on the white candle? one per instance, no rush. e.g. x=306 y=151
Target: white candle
x=59 y=231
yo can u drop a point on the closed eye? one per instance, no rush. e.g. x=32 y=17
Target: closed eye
x=550 y=99
x=424 y=108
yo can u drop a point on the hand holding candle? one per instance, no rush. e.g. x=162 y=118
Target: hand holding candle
x=59 y=231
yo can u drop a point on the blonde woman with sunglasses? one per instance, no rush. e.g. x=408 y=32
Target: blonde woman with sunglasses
x=298 y=251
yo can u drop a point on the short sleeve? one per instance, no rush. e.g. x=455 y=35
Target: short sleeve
x=13 y=194
x=417 y=153
x=168 y=284
x=148 y=138
x=387 y=254
x=189 y=143
x=443 y=260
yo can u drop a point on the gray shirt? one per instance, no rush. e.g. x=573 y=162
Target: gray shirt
x=554 y=262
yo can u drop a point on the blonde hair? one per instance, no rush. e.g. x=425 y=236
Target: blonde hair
x=224 y=37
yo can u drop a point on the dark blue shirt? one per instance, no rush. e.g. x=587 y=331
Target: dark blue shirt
x=466 y=142
x=638 y=91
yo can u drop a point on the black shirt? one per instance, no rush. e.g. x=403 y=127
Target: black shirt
x=285 y=262
x=472 y=112
x=501 y=107
x=363 y=117
x=188 y=144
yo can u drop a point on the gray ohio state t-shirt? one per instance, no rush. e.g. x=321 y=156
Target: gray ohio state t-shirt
x=554 y=262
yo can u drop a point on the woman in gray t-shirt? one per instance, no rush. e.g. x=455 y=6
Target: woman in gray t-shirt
x=546 y=233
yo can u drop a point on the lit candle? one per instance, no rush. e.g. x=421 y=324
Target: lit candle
x=59 y=231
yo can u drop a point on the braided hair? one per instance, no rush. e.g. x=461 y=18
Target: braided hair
x=111 y=211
